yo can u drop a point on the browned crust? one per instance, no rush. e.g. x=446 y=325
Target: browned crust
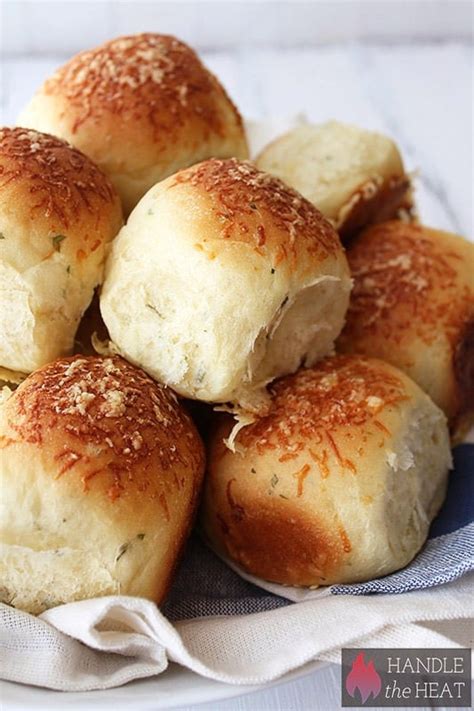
x=147 y=78
x=259 y=209
x=276 y=542
x=259 y=509
x=405 y=282
x=394 y=198
x=410 y=287
x=57 y=181
x=107 y=424
x=341 y=391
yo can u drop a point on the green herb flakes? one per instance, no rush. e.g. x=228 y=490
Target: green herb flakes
x=57 y=239
x=121 y=551
x=274 y=481
x=2 y=236
x=125 y=546
x=153 y=308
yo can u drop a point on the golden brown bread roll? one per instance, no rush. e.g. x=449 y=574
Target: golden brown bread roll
x=100 y=472
x=412 y=305
x=355 y=177
x=337 y=484
x=223 y=279
x=141 y=107
x=57 y=214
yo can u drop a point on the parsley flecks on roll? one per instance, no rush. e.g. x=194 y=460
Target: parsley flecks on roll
x=337 y=484
x=100 y=471
x=58 y=212
x=223 y=279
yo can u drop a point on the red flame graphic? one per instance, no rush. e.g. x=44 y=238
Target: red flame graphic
x=364 y=677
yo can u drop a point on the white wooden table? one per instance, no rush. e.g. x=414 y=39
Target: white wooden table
x=420 y=94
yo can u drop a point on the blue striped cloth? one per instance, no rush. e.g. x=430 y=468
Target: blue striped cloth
x=205 y=586
x=449 y=550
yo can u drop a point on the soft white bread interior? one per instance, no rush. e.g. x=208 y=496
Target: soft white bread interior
x=355 y=177
x=223 y=279
x=337 y=484
x=58 y=212
x=141 y=107
x=100 y=472
x=413 y=306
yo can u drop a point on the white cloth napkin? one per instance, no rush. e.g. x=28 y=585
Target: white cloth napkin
x=106 y=642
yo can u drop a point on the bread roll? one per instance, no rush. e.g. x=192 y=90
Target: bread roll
x=338 y=484
x=413 y=306
x=100 y=471
x=141 y=107
x=223 y=279
x=57 y=214
x=354 y=177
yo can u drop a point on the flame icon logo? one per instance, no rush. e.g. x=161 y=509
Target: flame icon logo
x=364 y=677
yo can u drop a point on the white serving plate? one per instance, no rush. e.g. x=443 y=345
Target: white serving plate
x=175 y=687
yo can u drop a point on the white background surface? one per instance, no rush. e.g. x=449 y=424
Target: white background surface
x=405 y=68
x=419 y=91
x=66 y=26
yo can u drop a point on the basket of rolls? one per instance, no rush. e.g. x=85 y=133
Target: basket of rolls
x=231 y=383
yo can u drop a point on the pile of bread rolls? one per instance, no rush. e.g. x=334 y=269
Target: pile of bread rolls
x=324 y=335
